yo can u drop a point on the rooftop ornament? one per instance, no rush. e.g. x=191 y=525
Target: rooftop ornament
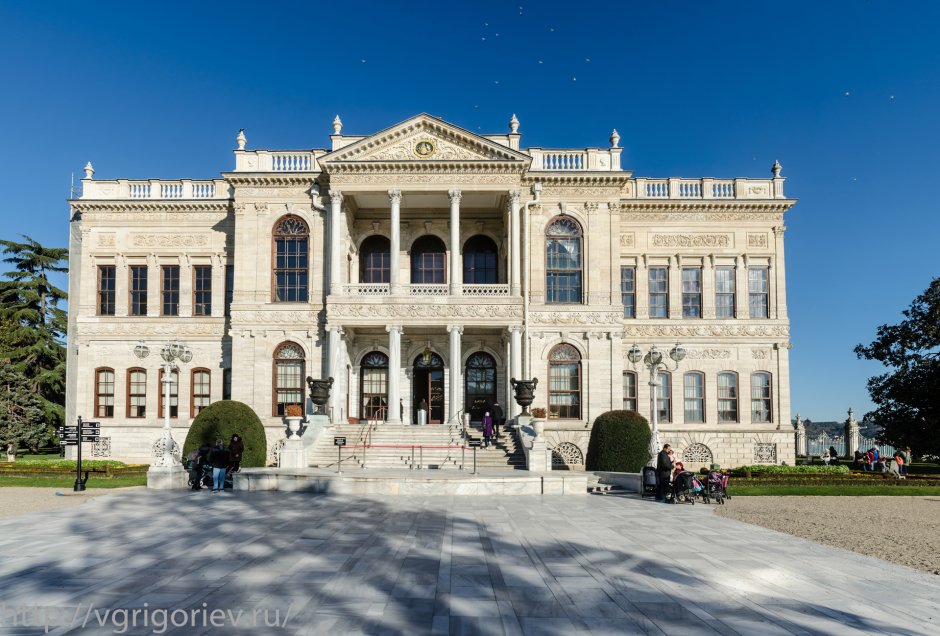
x=337 y=125
x=775 y=169
x=241 y=140
x=614 y=139
x=89 y=170
x=514 y=124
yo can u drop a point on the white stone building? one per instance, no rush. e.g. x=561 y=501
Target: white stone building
x=426 y=262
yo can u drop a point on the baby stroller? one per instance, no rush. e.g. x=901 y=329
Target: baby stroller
x=682 y=489
x=205 y=477
x=649 y=482
x=716 y=485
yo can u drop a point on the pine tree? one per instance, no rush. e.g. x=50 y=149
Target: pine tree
x=33 y=324
x=21 y=416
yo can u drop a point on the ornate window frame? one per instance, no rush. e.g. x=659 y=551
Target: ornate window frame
x=691 y=403
x=288 y=356
x=558 y=231
x=732 y=396
x=564 y=358
x=762 y=411
x=290 y=231
x=477 y=247
x=136 y=391
x=200 y=390
x=101 y=409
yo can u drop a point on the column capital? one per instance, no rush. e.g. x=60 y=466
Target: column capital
x=513 y=329
x=453 y=328
x=336 y=196
x=394 y=196
x=454 y=195
x=514 y=197
x=391 y=328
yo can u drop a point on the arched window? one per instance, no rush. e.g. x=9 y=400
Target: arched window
x=199 y=391
x=629 y=391
x=728 y=397
x=564 y=382
x=374 y=260
x=136 y=393
x=480 y=261
x=373 y=378
x=760 y=397
x=174 y=393
x=563 y=261
x=104 y=392
x=428 y=258
x=291 y=245
x=289 y=367
x=694 y=386
x=664 y=397
x=480 y=384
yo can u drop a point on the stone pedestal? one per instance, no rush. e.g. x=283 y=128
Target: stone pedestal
x=293 y=455
x=167 y=477
x=539 y=456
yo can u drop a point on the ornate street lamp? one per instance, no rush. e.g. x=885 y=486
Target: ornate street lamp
x=170 y=352
x=653 y=360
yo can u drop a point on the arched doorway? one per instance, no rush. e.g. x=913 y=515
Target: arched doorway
x=428 y=387
x=479 y=384
x=373 y=387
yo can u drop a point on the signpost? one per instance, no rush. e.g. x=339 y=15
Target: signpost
x=70 y=436
x=339 y=442
x=474 y=444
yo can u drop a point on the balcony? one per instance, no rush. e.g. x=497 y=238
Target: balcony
x=373 y=304
x=706 y=188
x=156 y=189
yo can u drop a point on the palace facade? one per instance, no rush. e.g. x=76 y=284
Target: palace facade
x=428 y=265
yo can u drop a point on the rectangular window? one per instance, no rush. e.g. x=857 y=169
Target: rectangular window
x=664 y=397
x=564 y=390
x=629 y=391
x=202 y=290
x=628 y=292
x=174 y=394
x=727 y=397
x=137 y=295
x=724 y=292
x=757 y=292
x=106 y=281
x=170 y=290
x=760 y=397
x=104 y=393
x=200 y=391
x=691 y=292
x=694 y=397
x=659 y=292
x=226 y=384
x=136 y=393
x=229 y=288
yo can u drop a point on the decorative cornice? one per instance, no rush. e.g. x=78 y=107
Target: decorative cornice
x=424 y=311
x=300 y=318
x=172 y=206
x=270 y=178
x=636 y=207
x=577 y=317
x=707 y=331
x=691 y=240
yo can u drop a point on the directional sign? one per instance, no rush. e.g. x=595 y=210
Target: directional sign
x=473 y=442
x=91 y=424
x=339 y=441
x=84 y=435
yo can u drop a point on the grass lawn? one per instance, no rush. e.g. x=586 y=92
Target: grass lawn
x=852 y=490
x=66 y=482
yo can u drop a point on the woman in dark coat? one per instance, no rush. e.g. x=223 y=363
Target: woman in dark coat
x=235 y=449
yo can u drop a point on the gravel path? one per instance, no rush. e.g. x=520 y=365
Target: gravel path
x=901 y=530
x=16 y=500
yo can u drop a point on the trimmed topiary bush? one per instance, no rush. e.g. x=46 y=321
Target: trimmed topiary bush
x=222 y=420
x=620 y=442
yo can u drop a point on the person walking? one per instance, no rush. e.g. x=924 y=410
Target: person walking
x=664 y=467
x=219 y=458
x=236 y=448
x=487 y=429
x=498 y=417
x=906 y=455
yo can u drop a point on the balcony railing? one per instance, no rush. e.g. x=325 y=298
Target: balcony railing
x=182 y=189
x=591 y=159
x=706 y=188
x=485 y=290
x=366 y=289
x=383 y=289
x=277 y=160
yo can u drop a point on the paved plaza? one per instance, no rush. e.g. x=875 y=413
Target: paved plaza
x=317 y=564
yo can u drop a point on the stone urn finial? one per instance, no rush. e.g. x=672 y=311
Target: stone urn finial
x=514 y=124
x=775 y=169
x=319 y=391
x=89 y=171
x=337 y=125
x=525 y=392
x=241 y=139
x=615 y=139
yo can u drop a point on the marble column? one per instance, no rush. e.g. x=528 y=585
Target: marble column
x=456 y=382
x=394 y=273
x=515 y=368
x=336 y=205
x=515 y=251
x=455 y=271
x=335 y=371
x=393 y=416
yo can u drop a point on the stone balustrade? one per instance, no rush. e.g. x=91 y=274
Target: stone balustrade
x=706 y=188
x=383 y=289
x=277 y=161
x=590 y=159
x=182 y=189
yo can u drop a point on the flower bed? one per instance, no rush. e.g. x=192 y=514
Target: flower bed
x=103 y=468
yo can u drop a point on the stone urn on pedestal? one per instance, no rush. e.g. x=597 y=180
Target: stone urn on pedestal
x=294 y=416
x=525 y=392
x=319 y=392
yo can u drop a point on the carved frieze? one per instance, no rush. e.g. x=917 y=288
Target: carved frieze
x=425 y=311
x=300 y=318
x=577 y=318
x=693 y=331
x=701 y=216
x=138 y=330
x=760 y=354
x=440 y=150
x=392 y=179
x=708 y=354
x=169 y=240
x=758 y=239
x=691 y=240
x=106 y=239
x=628 y=239
x=758 y=190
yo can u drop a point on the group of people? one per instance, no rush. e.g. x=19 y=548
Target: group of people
x=222 y=460
x=493 y=418
x=666 y=465
x=872 y=461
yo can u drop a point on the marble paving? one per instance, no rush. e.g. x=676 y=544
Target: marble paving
x=148 y=562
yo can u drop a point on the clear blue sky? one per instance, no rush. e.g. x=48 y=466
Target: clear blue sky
x=844 y=94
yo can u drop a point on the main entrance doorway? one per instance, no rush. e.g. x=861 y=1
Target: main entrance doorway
x=428 y=387
x=480 y=384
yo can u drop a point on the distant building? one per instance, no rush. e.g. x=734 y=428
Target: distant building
x=428 y=263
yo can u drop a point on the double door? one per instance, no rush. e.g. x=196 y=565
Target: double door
x=429 y=390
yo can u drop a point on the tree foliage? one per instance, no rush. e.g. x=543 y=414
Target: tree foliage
x=220 y=420
x=21 y=417
x=620 y=442
x=33 y=325
x=908 y=395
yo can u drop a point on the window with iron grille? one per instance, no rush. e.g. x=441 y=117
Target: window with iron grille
x=664 y=397
x=226 y=384
x=564 y=383
x=202 y=290
x=291 y=258
x=724 y=292
x=106 y=290
x=137 y=295
x=628 y=291
x=563 y=262
x=659 y=292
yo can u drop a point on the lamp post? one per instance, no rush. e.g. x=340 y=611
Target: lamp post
x=653 y=360
x=170 y=352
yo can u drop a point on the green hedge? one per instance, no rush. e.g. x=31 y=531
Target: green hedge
x=220 y=420
x=771 y=469
x=62 y=463
x=620 y=442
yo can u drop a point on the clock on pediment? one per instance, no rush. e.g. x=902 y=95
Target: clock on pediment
x=424 y=148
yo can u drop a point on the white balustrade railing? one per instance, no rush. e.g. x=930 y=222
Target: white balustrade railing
x=485 y=290
x=690 y=189
x=203 y=190
x=291 y=162
x=139 y=190
x=182 y=189
x=707 y=188
x=366 y=289
x=655 y=189
x=723 y=189
x=428 y=290
x=563 y=160
x=171 y=190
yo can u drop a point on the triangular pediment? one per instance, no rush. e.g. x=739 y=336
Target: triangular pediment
x=424 y=139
